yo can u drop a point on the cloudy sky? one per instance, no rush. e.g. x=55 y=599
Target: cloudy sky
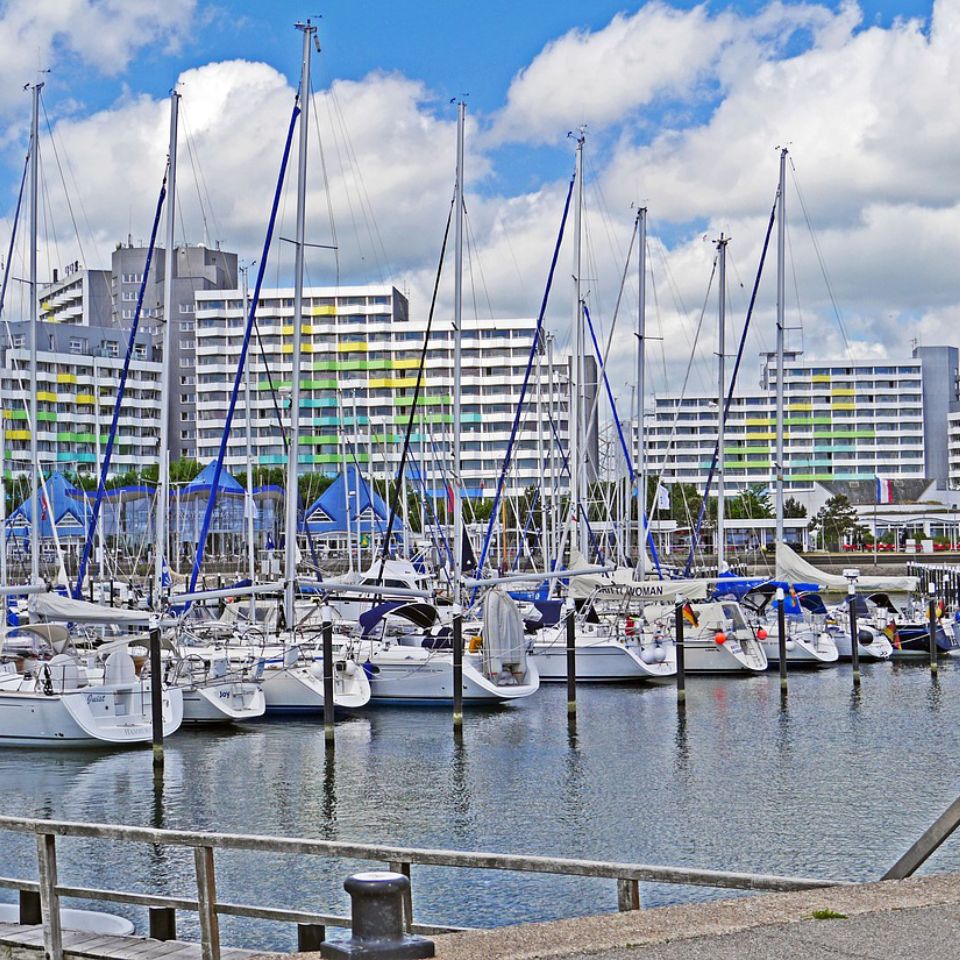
x=684 y=108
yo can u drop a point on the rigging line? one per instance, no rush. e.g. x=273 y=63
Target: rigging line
x=472 y=246
x=13 y=237
x=344 y=177
x=376 y=240
x=241 y=363
x=326 y=185
x=718 y=447
x=395 y=499
x=63 y=180
x=49 y=226
x=820 y=259
x=534 y=348
x=196 y=177
x=118 y=400
x=796 y=283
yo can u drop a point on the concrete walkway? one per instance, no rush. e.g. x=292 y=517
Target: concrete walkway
x=881 y=921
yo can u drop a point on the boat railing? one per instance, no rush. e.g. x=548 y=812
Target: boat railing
x=43 y=896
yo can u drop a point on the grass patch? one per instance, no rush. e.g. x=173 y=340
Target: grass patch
x=827 y=914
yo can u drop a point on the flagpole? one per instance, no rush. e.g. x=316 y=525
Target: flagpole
x=876 y=500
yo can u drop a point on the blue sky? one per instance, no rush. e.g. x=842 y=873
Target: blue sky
x=685 y=106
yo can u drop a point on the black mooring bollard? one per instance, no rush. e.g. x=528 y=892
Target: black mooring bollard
x=852 y=575
x=571 y=627
x=328 y=694
x=782 y=637
x=932 y=614
x=376 y=911
x=457 y=668
x=678 y=645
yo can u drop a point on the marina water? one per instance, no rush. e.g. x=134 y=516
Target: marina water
x=836 y=784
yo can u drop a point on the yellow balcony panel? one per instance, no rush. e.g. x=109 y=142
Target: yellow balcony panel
x=844 y=406
x=411 y=364
x=18 y=434
x=349 y=346
x=841 y=392
x=391 y=382
x=86 y=398
x=799 y=406
x=821 y=378
x=763 y=436
x=327 y=310
x=66 y=378
x=46 y=396
x=759 y=422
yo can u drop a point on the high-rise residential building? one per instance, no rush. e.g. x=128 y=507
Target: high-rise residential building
x=361 y=352
x=78 y=373
x=196 y=268
x=76 y=295
x=848 y=420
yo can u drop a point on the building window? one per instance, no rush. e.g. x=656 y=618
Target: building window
x=186 y=326
x=186 y=308
x=77 y=345
x=139 y=351
x=186 y=361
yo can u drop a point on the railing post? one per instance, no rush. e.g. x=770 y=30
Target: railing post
x=163 y=923
x=932 y=614
x=328 y=695
x=49 y=900
x=207 y=903
x=397 y=866
x=30 y=912
x=570 y=625
x=628 y=895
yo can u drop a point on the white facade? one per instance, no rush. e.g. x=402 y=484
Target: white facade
x=953 y=447
x=358 y=374
x=853 y=420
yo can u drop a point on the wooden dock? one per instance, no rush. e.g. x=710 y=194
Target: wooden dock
x=101 y=947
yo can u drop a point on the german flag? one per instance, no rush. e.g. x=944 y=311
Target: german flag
x=690 y=615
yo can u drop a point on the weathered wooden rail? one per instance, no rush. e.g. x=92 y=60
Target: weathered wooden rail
x=41 y=898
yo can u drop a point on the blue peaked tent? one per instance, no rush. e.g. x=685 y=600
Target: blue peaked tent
x=327 y=515
x=64 y=505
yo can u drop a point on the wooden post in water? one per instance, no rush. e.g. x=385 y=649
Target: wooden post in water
x=457 y=667
x=932 y=614
x=681 y=669
x=571 y=628
x=782 y=637
x=328 y=705
x=156 y=696
x=852 y=575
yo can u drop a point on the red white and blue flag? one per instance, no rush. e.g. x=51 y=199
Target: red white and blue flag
x=884 y=490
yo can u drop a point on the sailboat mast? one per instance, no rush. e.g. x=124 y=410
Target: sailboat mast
x=641 y=395
x=290 y=527
x=721 y=401
x=34 y=323
x=781 y=271
x=166 y=372
x=248 y=403
x=576 y=366
x=457 y=362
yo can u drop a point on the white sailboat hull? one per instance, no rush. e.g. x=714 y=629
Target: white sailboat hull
x=84 y=718
x=599 y=661
x=223 y=703
x=803 y=651
x=708 y=656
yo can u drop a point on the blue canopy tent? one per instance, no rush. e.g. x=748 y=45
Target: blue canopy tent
x=327 y=516
x=61 y=504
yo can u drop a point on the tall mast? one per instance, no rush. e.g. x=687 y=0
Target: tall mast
x=457 y=360
x=576 y=367
x=166 y=370
x=641 y=396
x=721 y=400
x=34 y=322
x=293 y=452
x=248 y=403
x=781 y=270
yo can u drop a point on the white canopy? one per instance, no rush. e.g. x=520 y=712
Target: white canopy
x=620 y=584
x=52 y=606
x=792 y=567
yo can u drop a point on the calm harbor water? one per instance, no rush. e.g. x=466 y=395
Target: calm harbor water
x=835 y=785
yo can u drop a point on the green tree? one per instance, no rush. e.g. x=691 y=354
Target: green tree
x=794 y=509
x=753 y=504
x=835 y=520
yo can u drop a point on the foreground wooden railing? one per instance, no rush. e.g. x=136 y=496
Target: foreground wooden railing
x=311 y=926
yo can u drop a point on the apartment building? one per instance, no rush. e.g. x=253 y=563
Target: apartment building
x=843 y=421
x=78 y=374
x=361 y=352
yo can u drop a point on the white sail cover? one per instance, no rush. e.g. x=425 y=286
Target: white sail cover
x=795 y=569
x=620 y=584
x=504 y=643
x=53 y=606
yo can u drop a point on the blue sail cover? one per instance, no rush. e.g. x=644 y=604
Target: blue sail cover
x=327 y=515
x=61 y=503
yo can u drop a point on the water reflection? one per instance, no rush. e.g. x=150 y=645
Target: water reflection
x=634 y=777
